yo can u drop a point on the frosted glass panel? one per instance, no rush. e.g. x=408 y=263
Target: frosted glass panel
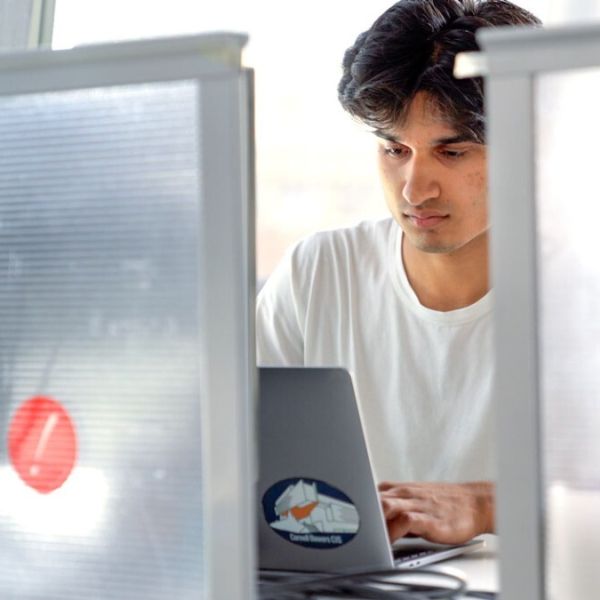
x=100 y=474
x=568 y=205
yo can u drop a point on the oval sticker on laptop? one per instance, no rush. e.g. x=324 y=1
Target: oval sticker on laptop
x=310 y=513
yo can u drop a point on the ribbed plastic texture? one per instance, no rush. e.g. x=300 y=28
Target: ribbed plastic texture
x=568 y=210
x=99 y=207
x=569 y=267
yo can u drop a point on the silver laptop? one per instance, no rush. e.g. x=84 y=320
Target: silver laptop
x=317 y=500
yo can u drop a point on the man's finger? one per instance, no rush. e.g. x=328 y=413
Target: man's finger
x=386 y=485
x=399 y=526
x=399 y=490
x=392 y=507
x=410 y=523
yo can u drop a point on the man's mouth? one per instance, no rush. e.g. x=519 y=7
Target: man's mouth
x=425 y=220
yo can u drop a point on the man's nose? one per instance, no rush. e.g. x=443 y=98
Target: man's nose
x=420 y=184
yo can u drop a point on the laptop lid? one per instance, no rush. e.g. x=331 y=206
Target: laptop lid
x=317 y=500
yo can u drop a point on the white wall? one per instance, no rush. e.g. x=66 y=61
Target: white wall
x=14 y=23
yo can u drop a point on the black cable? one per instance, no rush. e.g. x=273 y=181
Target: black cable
x=368 y=585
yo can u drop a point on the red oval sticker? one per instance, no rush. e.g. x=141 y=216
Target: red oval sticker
x=42 y=444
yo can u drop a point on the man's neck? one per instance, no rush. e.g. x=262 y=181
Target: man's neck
x=448 y=281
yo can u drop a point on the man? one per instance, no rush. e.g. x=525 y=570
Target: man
x=404 y=303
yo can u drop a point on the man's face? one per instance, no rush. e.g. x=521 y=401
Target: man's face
x=434 y=180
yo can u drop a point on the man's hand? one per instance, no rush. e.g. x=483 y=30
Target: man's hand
x=446 y=513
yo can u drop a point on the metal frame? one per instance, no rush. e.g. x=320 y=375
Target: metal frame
x=165 y=59
x=512 y=59
x=227 y=231
x=41 y=24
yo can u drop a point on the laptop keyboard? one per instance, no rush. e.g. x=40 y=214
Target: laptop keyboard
x=410 y=554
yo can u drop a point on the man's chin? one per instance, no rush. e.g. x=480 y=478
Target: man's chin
x=436 y=244
x=432 y=246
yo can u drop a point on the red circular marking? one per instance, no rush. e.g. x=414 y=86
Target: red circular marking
x=42 y=444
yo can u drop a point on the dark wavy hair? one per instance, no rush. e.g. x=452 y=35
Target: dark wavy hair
x=411 y=48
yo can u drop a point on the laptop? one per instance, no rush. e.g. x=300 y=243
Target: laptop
x=318 y=506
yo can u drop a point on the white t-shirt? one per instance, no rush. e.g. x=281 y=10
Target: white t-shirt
x=423 y=378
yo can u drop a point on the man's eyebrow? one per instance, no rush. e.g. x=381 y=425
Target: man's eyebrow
x=453 y=139
x=386 y=136
x=443 y=141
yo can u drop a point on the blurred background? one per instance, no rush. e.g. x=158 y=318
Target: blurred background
x=315 y=166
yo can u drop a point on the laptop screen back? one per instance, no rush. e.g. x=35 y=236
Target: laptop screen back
x=318 y=509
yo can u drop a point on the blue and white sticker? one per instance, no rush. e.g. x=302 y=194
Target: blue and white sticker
x=310 y=513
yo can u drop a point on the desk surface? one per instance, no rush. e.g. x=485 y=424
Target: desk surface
x=479 y=568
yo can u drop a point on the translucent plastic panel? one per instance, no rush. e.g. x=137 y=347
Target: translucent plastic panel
x=568 y=205
x=100 y=474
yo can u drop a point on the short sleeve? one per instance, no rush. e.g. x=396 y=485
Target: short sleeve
x=279 y=334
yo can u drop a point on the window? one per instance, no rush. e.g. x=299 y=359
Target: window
x=315 y=167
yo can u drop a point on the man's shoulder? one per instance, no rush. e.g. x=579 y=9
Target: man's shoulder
x=333 y=258
x=367 y=235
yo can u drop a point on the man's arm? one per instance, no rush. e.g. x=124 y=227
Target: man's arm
x=279 y=337
x=446 y=513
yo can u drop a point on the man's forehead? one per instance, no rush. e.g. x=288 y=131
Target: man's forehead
x=425 y=115
x=447 y=136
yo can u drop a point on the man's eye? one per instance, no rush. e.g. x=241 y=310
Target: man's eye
x=395 y=150
x=453 y=154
